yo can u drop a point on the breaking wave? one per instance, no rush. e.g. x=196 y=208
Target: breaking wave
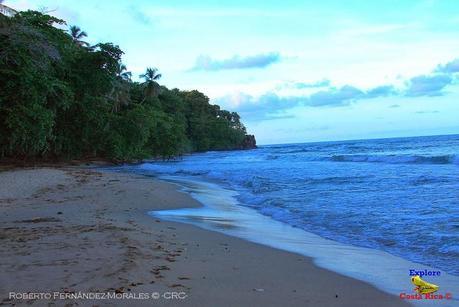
x=398 y=159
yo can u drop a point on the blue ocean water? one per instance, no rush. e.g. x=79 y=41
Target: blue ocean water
x=398 y=195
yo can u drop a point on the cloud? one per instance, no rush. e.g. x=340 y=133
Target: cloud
x=321 y=83
x=341 y=96
x=272 y=106
x=346 y=95
x=266 y=107
x=449 y=68
x=427 y=112
x=205 y=62
x=139 y=15
x=381 y=91
x=427 y=85
x=304 y=85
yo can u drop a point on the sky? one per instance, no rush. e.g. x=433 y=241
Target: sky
x=296 y=71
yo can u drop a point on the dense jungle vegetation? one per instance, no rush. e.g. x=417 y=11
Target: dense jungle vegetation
x=61 y=98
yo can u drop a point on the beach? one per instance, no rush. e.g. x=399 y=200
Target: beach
x=73 y=230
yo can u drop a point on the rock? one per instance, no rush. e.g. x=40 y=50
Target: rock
x=249 y=142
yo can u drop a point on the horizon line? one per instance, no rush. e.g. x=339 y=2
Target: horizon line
x=362 y=139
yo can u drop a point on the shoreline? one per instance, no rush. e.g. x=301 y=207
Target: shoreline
x=88 y=230
x=222 y=212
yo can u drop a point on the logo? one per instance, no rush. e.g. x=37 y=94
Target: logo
x=424 y=273
x=424 y=290
x=423 y=287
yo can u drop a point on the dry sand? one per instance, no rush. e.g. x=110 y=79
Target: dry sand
x=72 y=230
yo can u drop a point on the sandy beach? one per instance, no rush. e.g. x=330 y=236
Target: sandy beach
x=72 y=230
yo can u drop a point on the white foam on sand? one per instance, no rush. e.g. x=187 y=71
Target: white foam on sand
x=221 y=212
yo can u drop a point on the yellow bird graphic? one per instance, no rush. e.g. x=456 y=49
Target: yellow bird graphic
x=423 y=287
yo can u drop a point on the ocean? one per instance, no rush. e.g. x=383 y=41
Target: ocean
x=398 y=195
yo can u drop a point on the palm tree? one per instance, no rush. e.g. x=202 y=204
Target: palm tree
x=151 y=75
x=123 y=74
x=78 y=35
x=151 y=86
x=119 y=93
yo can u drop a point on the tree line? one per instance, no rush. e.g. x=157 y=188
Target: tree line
x=62 y=98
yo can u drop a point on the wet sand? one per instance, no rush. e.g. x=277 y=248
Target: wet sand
x=74 y=231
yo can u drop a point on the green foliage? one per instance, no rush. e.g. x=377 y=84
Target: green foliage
x=129 y=132
x=61 y=98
